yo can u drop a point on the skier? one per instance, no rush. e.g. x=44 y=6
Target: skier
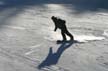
x=59 y=23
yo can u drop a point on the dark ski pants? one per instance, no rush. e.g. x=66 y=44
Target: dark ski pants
x=66 y=32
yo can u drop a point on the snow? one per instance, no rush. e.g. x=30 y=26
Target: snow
x=28 y=42
x=105 y=33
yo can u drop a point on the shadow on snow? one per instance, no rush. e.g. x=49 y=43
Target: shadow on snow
x=53 y=58
x=81 y=6
x=78 y=4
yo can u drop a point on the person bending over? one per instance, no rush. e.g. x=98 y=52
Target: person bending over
x=59 y=23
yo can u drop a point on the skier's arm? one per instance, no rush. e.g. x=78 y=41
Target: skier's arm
x=55 y=29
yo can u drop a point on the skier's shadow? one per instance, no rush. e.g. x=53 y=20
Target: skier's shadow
x=53 y=58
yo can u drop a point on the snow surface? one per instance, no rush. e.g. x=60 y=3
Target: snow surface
x=28 y=42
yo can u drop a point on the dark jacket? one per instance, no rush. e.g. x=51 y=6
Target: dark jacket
x=59 y=23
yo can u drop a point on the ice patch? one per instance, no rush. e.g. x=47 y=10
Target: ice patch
x=86 y=38
x=105 y=33
x=80 y=38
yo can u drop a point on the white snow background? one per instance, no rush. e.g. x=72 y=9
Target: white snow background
x=28 y=42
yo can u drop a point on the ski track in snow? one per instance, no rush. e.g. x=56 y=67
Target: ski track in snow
x=14 y=27
x=32 y=49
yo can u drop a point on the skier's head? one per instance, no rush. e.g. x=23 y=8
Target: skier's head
x=53 y=17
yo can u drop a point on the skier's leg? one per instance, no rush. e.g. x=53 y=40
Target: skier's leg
x=70 y=35
x=63 y=35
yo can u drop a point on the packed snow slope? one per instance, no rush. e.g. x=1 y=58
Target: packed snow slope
x=28 y=42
